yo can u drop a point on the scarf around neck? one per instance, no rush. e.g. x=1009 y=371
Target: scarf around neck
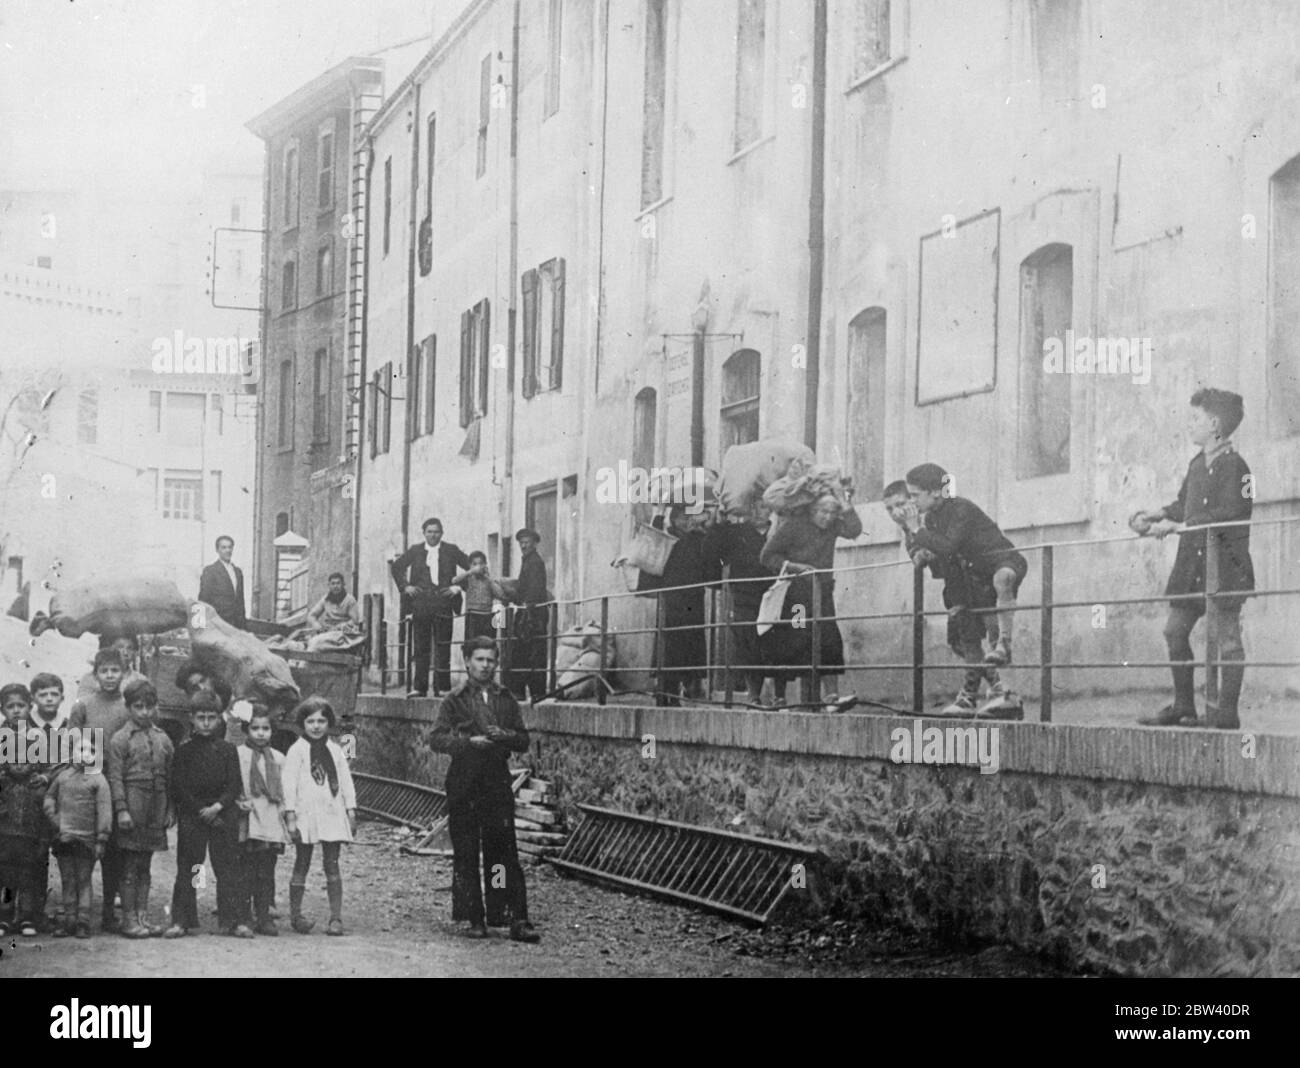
x=322 y=764
x=264 y=783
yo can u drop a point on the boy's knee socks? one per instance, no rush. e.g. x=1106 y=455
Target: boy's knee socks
x=334 y=890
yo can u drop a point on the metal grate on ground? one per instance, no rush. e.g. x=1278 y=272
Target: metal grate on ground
x=734 y=874
x=405 y=803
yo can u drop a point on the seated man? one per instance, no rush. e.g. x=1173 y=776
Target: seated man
x=336 y=611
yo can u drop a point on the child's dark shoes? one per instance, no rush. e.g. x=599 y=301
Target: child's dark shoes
x=174 y=931
x=334 y=927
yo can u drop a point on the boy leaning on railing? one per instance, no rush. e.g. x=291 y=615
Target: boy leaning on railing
x=1218 y=488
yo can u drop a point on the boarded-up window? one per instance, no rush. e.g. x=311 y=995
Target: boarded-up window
x=750 y=59
x=88 y=417
x=543 y=327
x=741 y=384
x=1283 y=370
x=554 y=45
x=866 y=415
x=1046 y=307
x=655 y=101
x=475 y=326
x=957 y=343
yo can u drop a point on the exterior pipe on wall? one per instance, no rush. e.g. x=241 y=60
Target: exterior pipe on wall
x=816 y=228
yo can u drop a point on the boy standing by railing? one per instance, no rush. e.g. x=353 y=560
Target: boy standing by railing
x=1218 y=488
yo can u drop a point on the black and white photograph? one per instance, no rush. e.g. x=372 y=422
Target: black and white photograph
x=652 y=489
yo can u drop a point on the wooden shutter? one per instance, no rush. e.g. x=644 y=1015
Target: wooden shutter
x=484 y=349
x=557 y=324
x=530 y=333
x=466 y=368
x=430 y=379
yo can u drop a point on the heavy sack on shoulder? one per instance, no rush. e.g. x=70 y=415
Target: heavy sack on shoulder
x=794 y=491
x=251 y=670
x=747 y=470
x=115 y=604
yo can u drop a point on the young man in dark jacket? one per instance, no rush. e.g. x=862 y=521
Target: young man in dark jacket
x=1217 y=488
x=528 y=655
x=479 y=725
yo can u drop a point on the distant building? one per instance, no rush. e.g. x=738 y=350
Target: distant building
x=307 y=438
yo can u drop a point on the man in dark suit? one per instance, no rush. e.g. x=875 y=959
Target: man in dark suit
x=423 y=573
x=528 y=668
x=222 y=585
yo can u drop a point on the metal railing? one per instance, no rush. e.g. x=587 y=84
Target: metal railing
x=721 y=618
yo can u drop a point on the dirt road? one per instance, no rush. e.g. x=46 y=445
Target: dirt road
x=396 y=908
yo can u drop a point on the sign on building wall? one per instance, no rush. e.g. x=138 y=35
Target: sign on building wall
x=957 y=329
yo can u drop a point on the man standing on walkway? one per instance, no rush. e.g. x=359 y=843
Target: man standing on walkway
x=479 y=725
x=528 y=655
x=423 y=573
x=222 y=585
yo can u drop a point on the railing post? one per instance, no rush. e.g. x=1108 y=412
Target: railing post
x=1045 y=646
x=381 y=628
x=552 y=645
x=1211 y=626
x=918 y=640
x=728 y=619
x=604 y=638
x=661 y=686
x=815 y=677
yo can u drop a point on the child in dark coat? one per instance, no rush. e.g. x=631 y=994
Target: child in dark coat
x=1217 y=488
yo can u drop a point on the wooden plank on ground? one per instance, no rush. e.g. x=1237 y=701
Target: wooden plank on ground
x=541 y=837
x=528 y=825
x=536 y=813
x=542 y=786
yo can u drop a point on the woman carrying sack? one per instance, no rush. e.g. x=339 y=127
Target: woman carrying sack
x=802 y=543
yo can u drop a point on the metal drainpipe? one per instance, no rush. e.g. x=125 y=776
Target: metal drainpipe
x=412 y=235
x=816 y=228
x=264 y=340
x=506 y=505
x=697 y=398
x=362 y=370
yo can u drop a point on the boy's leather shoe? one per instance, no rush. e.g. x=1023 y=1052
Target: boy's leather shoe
x=1170 y=716
x=174 y=931
x=477 y=930
x=523 y=931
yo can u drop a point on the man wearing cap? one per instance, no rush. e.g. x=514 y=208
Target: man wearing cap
x=528 y=659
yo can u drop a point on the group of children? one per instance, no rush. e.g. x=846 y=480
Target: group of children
x=982 y=571
x=235 y=806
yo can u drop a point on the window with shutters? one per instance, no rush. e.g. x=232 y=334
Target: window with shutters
x=741 y=383
x=414 y=393
x=1046 y=310
x=475 y=326
x=654 y=102
x=484 y=112
x=543 y=327
x=879 y=36
x=751 y=57
x=424 y=238
x=866 y=414
x=182 y=495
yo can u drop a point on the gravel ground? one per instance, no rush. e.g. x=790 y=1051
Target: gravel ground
x=396 y=910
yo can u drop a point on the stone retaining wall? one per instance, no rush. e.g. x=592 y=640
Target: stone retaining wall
x=1134 y=850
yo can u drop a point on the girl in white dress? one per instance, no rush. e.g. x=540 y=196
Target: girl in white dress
x=320 y=805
